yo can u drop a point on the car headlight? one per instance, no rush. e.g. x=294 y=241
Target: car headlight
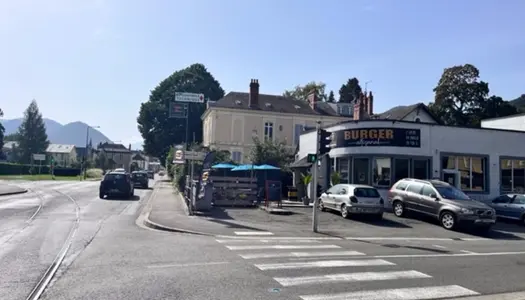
x=467 y=211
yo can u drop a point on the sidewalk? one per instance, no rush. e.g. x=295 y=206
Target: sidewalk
x=7 y=189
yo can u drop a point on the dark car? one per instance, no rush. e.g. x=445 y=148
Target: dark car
x=151 y=175
x=140 y=178
x=441 y=200
x=116 y=184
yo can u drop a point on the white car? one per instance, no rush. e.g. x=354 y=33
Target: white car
x=352 y=199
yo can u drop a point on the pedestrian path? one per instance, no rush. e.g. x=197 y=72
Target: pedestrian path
x=322 y=269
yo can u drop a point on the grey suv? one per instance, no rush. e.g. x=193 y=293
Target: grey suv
x=441 y=200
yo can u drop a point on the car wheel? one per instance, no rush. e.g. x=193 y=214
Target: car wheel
x=523 y=220
x=399 y=209
x=344 y=211
x=320 y=205
x=447 y=220
x=101 y=195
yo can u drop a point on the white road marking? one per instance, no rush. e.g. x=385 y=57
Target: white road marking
x=276 y=237
x=260 y=247
x=421 y=293
x=325 y=264
x=449 y=255
x=188 y=265
x=267 y=241
x=253 y=233
x=439 y=246
x=300 y=254
x=415 y=239
x=469 y=252
x=350 y=277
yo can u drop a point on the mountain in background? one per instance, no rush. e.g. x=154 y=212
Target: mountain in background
x=519 y=103
x=72 y=133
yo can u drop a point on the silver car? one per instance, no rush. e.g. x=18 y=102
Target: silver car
x=352 y=199
x=510 y=206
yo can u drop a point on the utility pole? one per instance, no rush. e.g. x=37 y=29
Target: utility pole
x=314 y=178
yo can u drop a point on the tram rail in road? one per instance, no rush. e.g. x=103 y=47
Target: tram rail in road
x=44 y=281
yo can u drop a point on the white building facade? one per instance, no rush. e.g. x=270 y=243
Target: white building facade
x=481 y=162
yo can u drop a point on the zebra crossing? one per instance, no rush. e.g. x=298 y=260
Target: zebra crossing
x=314 y=262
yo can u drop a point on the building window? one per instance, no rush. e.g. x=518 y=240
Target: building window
x=297 y=133
x=361 y=171
x=512 y=175
x=471 y=170
x=343 y=168
x=382 y=171
x=236 y=156
x=420 y=168
x=401 y=169
x=268 y=130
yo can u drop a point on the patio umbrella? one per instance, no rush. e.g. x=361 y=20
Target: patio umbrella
x=266 y=167
x=244 y=168
x=223 y=166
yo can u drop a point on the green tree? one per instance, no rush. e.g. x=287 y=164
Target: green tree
x=101 y=161
x=331 y=97
x=13 y=137
x=461 y=98
x=161 y=132
x=302 y=92
x=270 y=152
x=32 y=136
x=350 y=91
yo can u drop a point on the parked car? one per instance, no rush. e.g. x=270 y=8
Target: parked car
x=352 y=199
x=510 y=206
x=151 y=175
x=140 y=178
x=116 y=184
x=441 y=200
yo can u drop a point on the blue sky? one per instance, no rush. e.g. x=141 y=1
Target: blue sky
x=97 y=60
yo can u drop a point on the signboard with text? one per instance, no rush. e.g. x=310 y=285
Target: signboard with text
x=189 y=97
x=39 y=156
x=178 y=110
x=377 y=137
x=178 y=156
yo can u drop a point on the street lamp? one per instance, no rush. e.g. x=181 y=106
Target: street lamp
x=87 y=149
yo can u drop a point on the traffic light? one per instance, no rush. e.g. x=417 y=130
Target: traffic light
x=312 y=158
x=325 y=139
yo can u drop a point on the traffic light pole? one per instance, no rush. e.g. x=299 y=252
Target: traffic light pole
x=314 y=179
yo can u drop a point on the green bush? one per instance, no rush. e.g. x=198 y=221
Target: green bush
x=94 y=173
x=20 y=169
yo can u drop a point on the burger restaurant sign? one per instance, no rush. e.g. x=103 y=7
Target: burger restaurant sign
x=377 y=137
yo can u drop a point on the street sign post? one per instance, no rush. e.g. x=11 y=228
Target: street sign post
x=189 y=97
x=194 y=155
x=314 y=180
x=178 y=110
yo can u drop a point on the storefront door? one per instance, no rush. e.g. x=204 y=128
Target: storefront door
x=451 y=176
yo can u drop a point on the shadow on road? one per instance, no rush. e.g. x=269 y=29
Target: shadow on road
x=134 y=198
x=384 y=222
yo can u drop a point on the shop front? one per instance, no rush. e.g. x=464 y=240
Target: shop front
x=380 y=152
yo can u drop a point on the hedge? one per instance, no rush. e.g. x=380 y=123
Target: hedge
x=19 y=169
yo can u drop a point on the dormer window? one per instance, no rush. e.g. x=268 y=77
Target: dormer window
x=417 y=120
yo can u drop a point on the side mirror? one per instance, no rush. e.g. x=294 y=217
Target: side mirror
x=327 y=193
x=434 y=196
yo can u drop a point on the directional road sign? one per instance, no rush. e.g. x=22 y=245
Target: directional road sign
x=178 y=110
x=189 y=97
x=39 y=156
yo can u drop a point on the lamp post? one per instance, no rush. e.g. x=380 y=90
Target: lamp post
x=86 y=152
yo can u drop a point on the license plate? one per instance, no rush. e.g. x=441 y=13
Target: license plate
x=114 y=191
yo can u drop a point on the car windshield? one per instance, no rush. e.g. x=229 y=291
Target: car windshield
x=366 y=193
x=114 y=176
x=138 y=174
x=451 y=193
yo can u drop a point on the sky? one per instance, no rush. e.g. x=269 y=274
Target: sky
x=96 y=61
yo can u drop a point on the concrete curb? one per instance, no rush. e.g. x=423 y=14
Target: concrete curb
x=14 y=193
x=504 y=296
x=150 y=224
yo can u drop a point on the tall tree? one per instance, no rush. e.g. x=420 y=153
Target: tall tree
x=32 y=137
x=157 y=129
x=2 y=131
x=331 y=97
x=272 y=153
x=461 y=98
x=301 y=92
x=350 y=91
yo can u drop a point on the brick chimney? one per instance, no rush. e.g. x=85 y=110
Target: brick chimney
x=359 y=107
x=370 y=104
x=312 y=99
x=129 y=147
x=253 y=100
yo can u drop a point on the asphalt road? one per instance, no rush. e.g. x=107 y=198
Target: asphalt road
x=34 y=227
x=113 y=258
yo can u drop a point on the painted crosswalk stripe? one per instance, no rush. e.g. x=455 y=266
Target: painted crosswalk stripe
x=300 y=254
x=268 y=241
x=421 y=293
x=325 y=264
x=253 y=233
x=350 y=277
x=261 y=247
